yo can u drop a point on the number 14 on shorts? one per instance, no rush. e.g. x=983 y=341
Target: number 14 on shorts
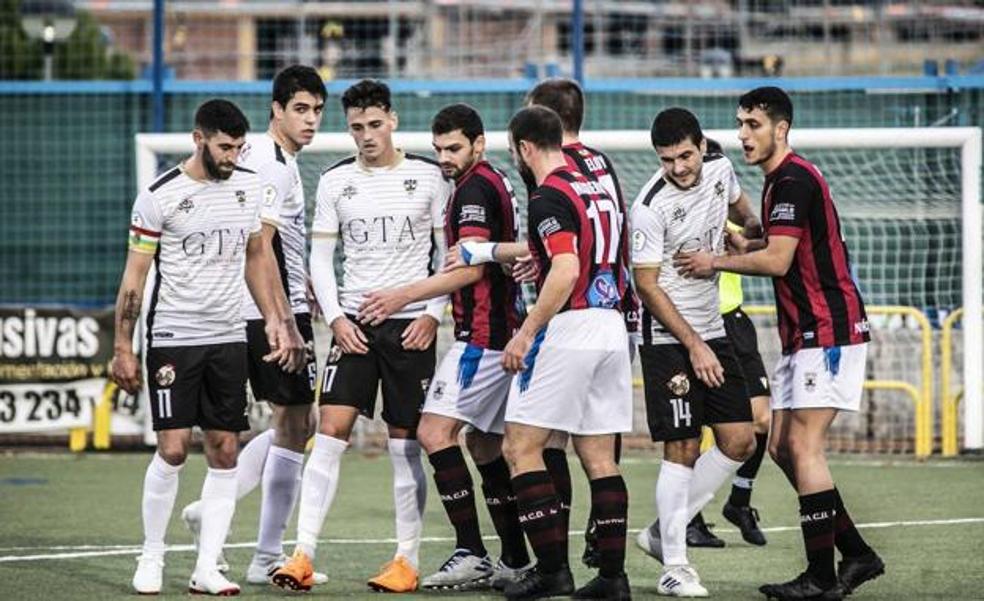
x=681 y=412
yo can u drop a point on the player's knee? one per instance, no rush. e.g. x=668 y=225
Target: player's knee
x=483 y=448
x=600 y=465
x=293 y=430
x=172 y=453
x=762 y=423
x=521 y=453
x=682 y=452
x=738 y=447
x=339 y=431
x=433 y=439
x=779 y=451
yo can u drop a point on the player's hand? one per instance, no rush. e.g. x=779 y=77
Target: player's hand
x=453 y=259
x=525 y=269
x=379 y=305
x=706 y=365
x=287 y=347
x=125 y=371
x=420 y=334
x=694 y=265
x=514 y=355
x=312 y=300
x=735 y=243
x=349 y=337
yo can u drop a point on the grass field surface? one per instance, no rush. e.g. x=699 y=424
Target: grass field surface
x=70 y=529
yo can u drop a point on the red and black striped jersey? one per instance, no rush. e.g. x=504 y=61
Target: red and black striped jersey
x=488 y=312
x=570 y=213
x=817 y=301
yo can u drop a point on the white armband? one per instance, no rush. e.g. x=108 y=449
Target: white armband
x=476 y=253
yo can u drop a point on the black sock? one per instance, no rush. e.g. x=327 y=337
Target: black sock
x=540 y=516
x=501 y=503
x=610 y=506
x=560 y=473
x=817 y=521
x=454 y=483
x=847 y=538
x=742 y=495
x=618 y=448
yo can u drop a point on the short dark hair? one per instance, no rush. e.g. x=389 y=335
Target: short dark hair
x=773 y=101
x=562 y=95
x=294 y=79
x=538 y=125
x=458 y=116
x=367 y=94
x=713 y=146
x=673 y=126
x=218 y=115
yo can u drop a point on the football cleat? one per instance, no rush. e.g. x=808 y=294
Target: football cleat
x=535 y=584
x=396 y=576
x=212 y=582
x=462 y=571
x=680 y=581
x=148 y=578
x=502 y=574
x=612 y=589
x=296 y=574
x=746 y=519
x=803 y=587
x=699 y=534
x=855 y=571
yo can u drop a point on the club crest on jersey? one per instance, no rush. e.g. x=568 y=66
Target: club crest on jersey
x=269 y=195
x=719 y=189
x=810 y=381
x=679 y=214
x=425 y=384
x=241 y=197
x=349 y=191
x=438 y=390
x=679 y=384
x=603 y=292
x=638 y=240
x=410 y=185
x=334 y=354
x=165 y=375
x=186 y=205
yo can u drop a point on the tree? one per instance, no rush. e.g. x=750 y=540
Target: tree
x=20 y=56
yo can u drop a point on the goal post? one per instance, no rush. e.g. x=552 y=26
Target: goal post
x=904 y=194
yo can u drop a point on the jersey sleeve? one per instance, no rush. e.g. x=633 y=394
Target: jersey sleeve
x=146 y=224
x=555 y=221
x=734 y=188
x=326 y=209
x=277 y=183
x=791 y=200
x=473 y=210
x=648 y=233
x=439 y=203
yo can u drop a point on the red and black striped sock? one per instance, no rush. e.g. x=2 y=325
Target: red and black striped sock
x=610 y=506
x=846 y=536
x=560 y=473
x=454 y=483
x=817 y=522
x=540 y=515
x=501 y=502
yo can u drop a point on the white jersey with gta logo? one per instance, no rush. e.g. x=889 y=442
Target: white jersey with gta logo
x=666 y=220
x=282 y=207
x=197 y=232
x=385 y=218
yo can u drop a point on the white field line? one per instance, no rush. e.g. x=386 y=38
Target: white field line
x=76 y=552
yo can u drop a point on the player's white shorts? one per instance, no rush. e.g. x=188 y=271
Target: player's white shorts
x=578 y=379
x=820 y=377
x=470 y=385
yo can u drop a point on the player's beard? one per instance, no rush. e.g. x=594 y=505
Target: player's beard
x=525 y=172
x=212 y=167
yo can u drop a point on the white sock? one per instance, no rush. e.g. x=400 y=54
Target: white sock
x=409 y=496
x=250 y=462
x=159 y=491
x=711 y=471
x=318 y=490
x=218 y=505
x=280 y=488
x=671 y=502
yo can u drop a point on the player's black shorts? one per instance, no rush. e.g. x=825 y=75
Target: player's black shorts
x=271 y=383
x=678 y=404
x=741 y=331
x=353 y=380
x=201 y=386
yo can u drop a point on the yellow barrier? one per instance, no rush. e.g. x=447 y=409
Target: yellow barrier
x=923 y=396
x=102 y=415
x=950 y=399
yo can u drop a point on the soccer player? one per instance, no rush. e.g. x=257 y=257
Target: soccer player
x=824 y=333
x=470 y=387
x=199 y=225
x=387 y=208
x=690 y=373
x=275 y=457
x=565 y=97
x=571 y=357
x=741 y=331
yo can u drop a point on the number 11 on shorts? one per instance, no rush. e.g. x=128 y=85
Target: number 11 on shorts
x=681 y=412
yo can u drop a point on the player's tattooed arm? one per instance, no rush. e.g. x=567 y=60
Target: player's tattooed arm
x=125 y=368
x=705 y=363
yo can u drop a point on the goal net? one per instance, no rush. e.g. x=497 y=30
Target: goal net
x=909 y=205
